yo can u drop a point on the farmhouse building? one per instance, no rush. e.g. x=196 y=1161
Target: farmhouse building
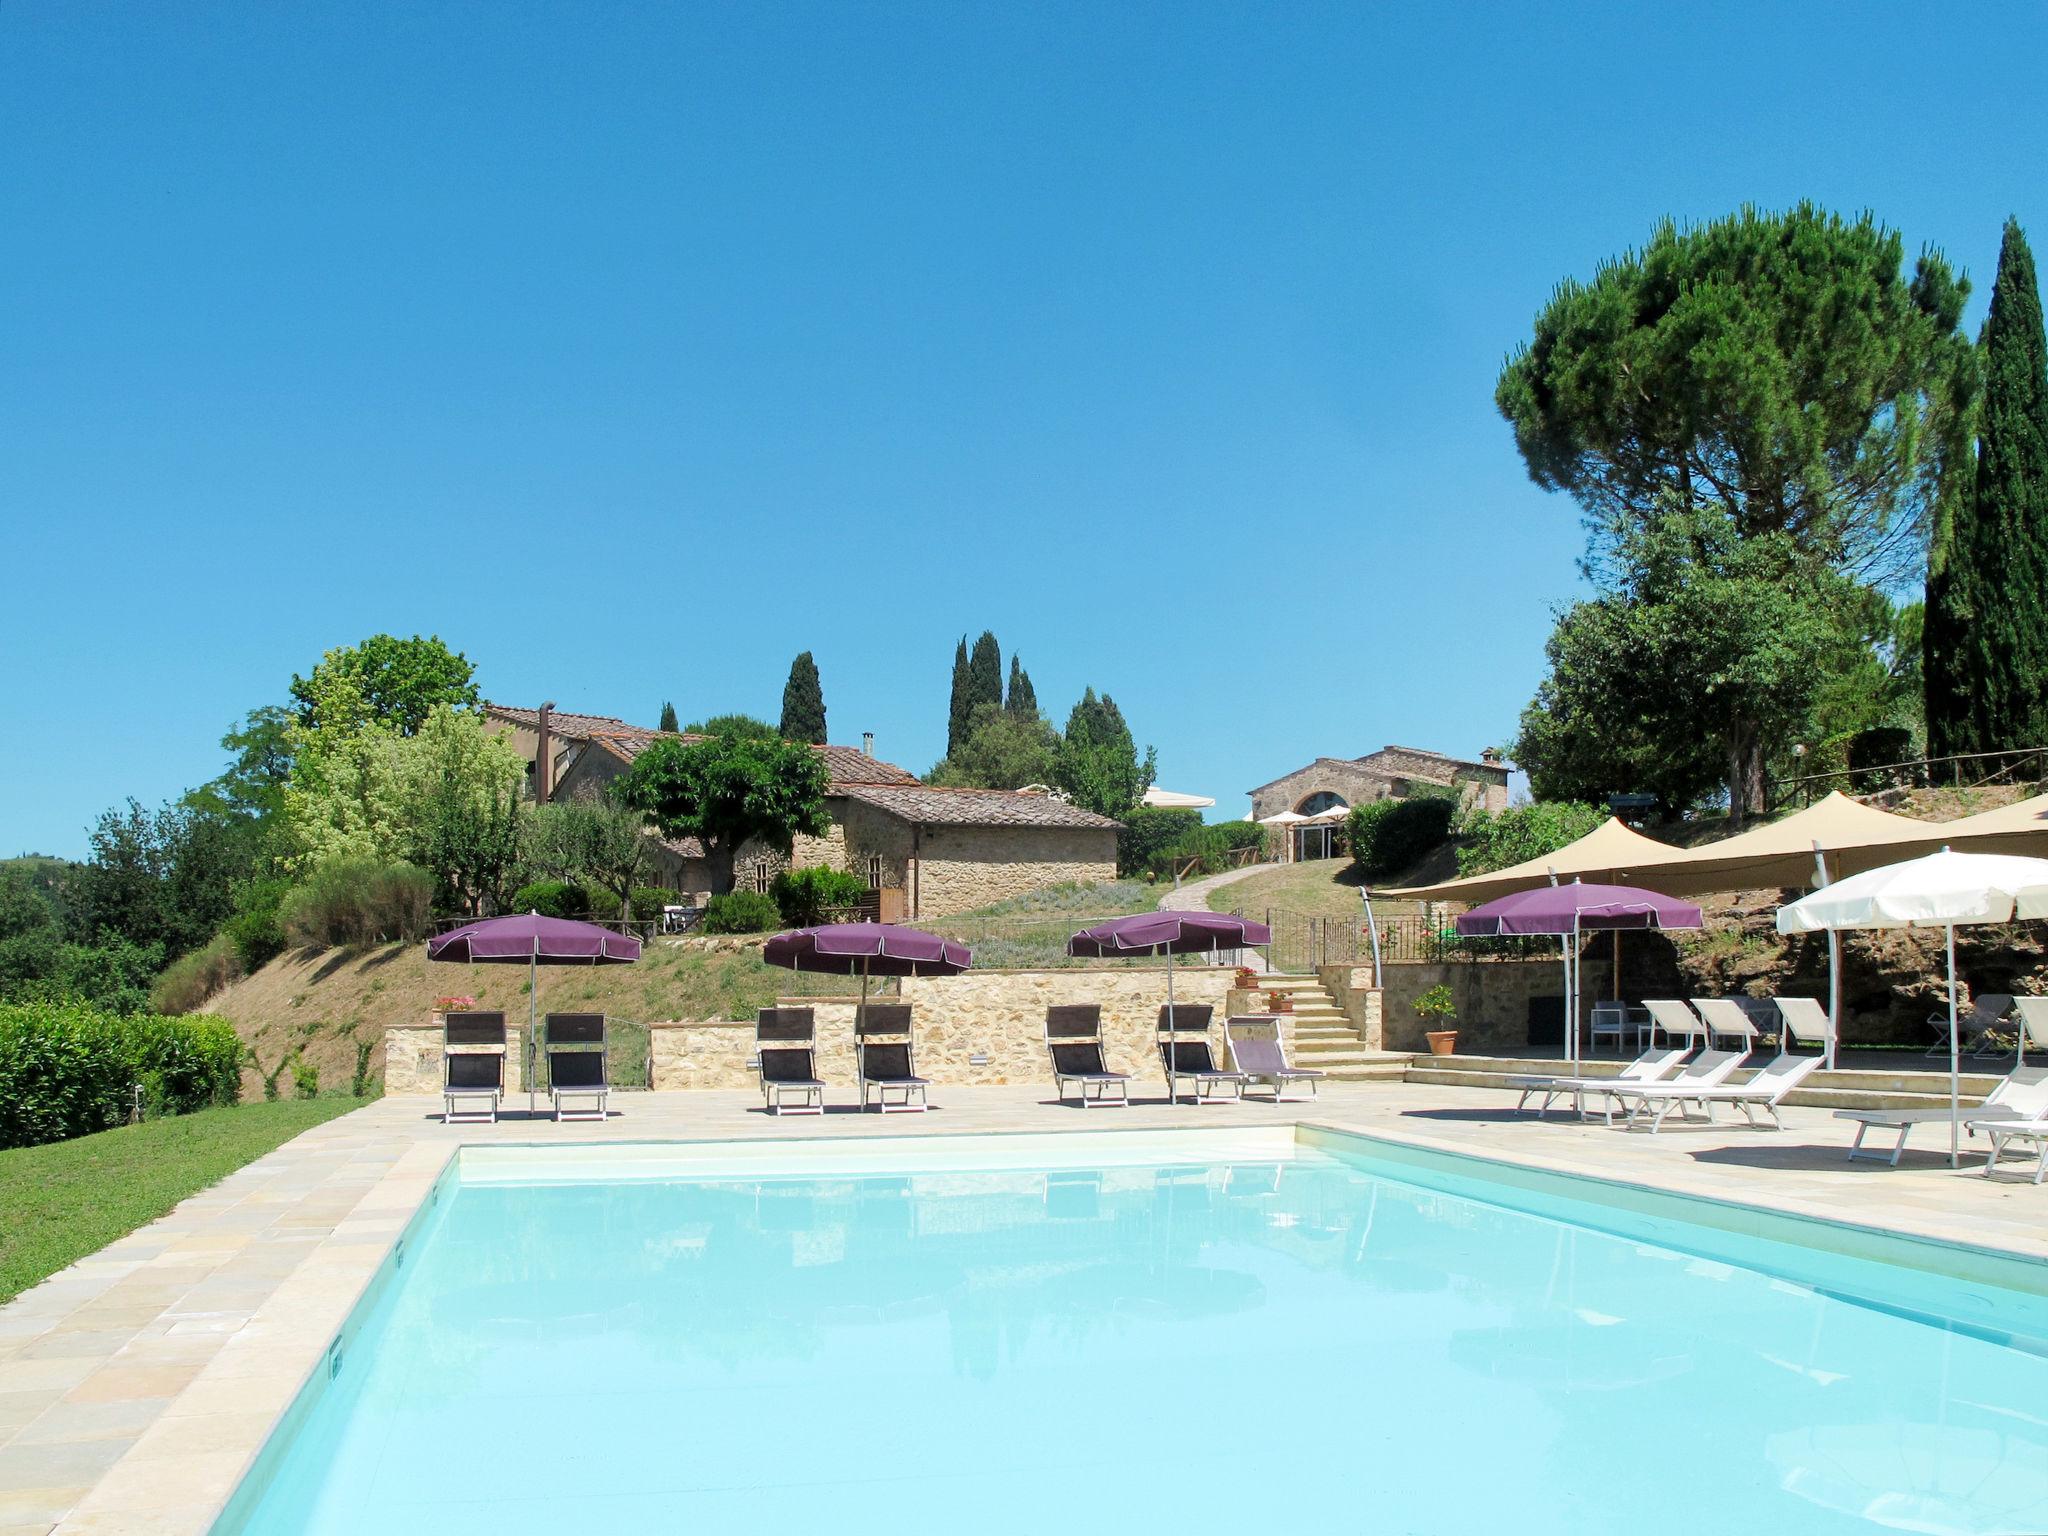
x=1334 y=784
x=925 y=852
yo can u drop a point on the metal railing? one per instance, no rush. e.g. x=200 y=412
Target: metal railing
x=1968 y=770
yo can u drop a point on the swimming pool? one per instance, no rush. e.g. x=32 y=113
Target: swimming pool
x=1142 y=1330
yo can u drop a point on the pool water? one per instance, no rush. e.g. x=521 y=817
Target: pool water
x=1308 y=1340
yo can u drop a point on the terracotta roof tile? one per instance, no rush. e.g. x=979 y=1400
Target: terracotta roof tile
x=974 y=807
x=843 y=765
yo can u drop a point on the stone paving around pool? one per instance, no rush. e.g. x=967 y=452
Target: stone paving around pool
x=137 y=1385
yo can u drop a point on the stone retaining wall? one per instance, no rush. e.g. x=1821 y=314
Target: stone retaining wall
x=995 y=1015
x=412 y=1058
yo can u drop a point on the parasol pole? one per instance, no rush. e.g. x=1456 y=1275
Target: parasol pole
x=532 y=1011
x=1172 y=1038
x=1820 y=876
x=1955 y=1094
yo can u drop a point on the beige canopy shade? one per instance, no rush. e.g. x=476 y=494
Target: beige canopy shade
x=1611 y=853
x=1282 y=819
x=1852 y=837
x=2021 y=827
x=1174 y=800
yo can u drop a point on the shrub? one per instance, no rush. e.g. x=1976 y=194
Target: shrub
x=256 y=928
x=741 y=912
x=305 y=1078
x=67 y=1069
x=553 y=898
x=188 y=981
x=1389 y=836
x=1880 y=747
x=1523 y=832
x=648 y=901
x=356 y=902
x=1148 y=832
x=804 y=896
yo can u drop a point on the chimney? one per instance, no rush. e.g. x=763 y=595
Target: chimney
x=867 y=743
x=544 y=755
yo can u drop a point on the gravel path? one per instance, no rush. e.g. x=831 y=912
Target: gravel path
x=1194 y=897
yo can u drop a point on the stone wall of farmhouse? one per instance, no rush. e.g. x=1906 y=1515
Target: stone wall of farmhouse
x=999 y=1015
x=1362 y=783
x=962 y=868
x=1493 y=999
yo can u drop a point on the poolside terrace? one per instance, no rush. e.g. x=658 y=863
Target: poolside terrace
x=136 y=1386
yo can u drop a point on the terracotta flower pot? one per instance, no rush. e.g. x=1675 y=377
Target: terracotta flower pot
x=1442 y=1042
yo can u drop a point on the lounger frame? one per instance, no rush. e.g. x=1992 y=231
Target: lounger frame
x=1185 y=1053
x=785 y=1053
x=1073 y=1042
x=472 y=1067
x=579 y=1064
x=1260 y=1031
x=885 y=1060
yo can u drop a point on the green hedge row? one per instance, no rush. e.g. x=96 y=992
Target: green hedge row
x=67 y=1069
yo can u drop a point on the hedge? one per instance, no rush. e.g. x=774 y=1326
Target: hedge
x=804 y=896
x=67 y=1069
x=741 y=912
x=1388 y=837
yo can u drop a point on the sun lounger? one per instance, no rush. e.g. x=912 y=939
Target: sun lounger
x=1805 y=1020
x=1773 y=1080
x=1673 y=1019
x=472 y=1067
x=2004 y=1132
x=2020 y=1095
x=1726 y=1019
x=785 y=1050
x=577 y=1068
x=1654 y=1064
x=883 y=1059
x=2030 y=1018
x=1184 y=1053
x=1707 y=1070
x=1977 y=1028
x=1256 y=1053
x=1073 y=1039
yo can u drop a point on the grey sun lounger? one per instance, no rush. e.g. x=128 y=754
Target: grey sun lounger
x=1257 y=1055
x=577 y=1064
x=785 y=1050
x=1184 y=1053
x=884 y=1061
x=2021 y=1094
x=1977 y=1026
x=1652 y=1066
x=1654 y=1102
x=1073 y=1039
x=472 y=1067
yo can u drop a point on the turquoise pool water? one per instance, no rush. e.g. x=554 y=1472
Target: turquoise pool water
x=1307 y=1339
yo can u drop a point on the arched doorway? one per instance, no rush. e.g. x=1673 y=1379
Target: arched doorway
x=1318 y=839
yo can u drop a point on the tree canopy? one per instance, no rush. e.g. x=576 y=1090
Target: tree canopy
x=1001 y=750
x=803 y=702
x=733 y=725
x=960 y=705
x=1986 y=672
x=727 y=790
x=1098 y=763
x=668 y=717
x=595 y=839
x=1021 y=698
x=384 y=681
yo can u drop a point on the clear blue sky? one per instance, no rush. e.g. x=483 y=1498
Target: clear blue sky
x=634 y=349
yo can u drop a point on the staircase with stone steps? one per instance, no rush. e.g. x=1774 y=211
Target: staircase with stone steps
x=1323 y=1038
x=1846 y=1089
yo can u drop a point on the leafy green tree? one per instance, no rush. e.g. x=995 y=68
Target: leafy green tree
x=1022 y=698
x=1986 y=674
x=733 y=725
x=1707 y=654
x=1522 y=832
x=803 y=702
x=1097 y=763
x=1772 y=370
x=384 y=681
x=727 y=790
x=595 y=841
x=668 y=717
x=1001 y=750
x=163 y=878
x=259 y=763
x=961 y=705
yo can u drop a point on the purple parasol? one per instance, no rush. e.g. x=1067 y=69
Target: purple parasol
x=527 y=938
x=1570 y=910
x=867 y=949
x=1169 y=934
x=1576 y=907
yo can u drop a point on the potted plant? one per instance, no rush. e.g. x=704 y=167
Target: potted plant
x=1438 y=1004
x=1279 y=1002
x=1247 y=979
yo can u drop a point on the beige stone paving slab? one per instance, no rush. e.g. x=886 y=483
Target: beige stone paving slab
x=123 y=1418
x=25 y=1507
x=60 y=1462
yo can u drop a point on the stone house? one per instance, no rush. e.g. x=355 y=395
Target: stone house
x=1392 y=773
x=925 y=852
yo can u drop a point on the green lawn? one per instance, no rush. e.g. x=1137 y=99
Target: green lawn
x=61 y=1202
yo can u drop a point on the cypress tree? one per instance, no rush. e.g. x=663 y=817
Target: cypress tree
x=959 y=709
x=668 y=717
x=1987 y=615
x=985 y=673
x=803 y=703
x=1022 y=698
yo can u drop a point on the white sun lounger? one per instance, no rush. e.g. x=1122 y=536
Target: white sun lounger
x=1726 y=1020
x=1707 y=1070
x=1805 y=1020
x=1649 y=1067
x=1772 y=1082
x=1670 y=1016
x=2003 y=1132
x=2021 y=1094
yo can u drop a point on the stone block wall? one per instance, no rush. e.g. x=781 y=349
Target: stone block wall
x=999 y=1015
x=412 y=1058
x=962 y=868
x=1352 y=988
x=1492 y=997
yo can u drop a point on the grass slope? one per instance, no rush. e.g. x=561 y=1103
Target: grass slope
x=64 y=1201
